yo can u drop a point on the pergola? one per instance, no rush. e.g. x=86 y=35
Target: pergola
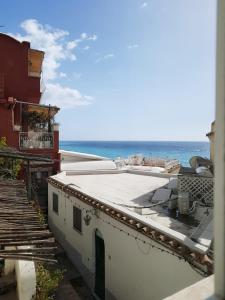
x=27 y=157
x=23 y=235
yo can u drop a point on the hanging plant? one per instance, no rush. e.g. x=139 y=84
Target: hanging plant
x=35 y=118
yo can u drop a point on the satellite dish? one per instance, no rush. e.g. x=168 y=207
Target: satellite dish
x=197 y=161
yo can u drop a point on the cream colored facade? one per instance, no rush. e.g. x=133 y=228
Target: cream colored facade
x=133 y=269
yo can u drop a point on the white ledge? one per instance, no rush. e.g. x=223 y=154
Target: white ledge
x=202 y=290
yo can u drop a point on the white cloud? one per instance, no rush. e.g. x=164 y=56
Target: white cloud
x=62 y=74
x=71 y=45
x=64 y=97
x=132 y=46
x=105 y=57
x=92 y=38
x=83 y=36
x=88 y=98
x=144 y=4
x=86 y=48
x=54 y=42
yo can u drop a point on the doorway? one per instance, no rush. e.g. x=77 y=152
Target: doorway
x=99 y=266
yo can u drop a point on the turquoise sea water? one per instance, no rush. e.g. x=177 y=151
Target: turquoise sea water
x=182 y=151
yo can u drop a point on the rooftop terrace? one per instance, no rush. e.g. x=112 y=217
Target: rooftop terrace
x=135 y=193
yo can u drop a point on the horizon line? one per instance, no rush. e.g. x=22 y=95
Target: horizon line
x=182 y=141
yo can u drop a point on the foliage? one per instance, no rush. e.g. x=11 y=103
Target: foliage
x=35 y=119
x=8 y=168
x=41 y=217
x=47 y=281
x=3 y=143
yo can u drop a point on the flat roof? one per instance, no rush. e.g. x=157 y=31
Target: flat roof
x=88 y=165
x=82 y=155
x=130 y=191
x=126 y=188
x=126 y=195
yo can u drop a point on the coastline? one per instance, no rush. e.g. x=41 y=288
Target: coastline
x=181 y=151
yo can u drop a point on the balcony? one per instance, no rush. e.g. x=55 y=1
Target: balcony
x=36 y=140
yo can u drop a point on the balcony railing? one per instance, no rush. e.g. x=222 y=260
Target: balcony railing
x=36 y=140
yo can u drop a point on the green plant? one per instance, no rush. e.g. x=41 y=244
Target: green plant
x=3 y=143
x=8 y=168
x=41 y=217
x=47 y=281
x=35 y=119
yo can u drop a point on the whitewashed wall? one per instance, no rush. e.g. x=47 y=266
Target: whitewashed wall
x=132 y=269
x=26 y=279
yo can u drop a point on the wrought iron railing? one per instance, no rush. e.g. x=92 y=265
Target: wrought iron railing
x=36 y=140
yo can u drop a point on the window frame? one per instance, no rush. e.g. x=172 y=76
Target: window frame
x=53 y=206
x=79 y=229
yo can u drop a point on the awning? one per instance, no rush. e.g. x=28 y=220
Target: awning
x=46 y=110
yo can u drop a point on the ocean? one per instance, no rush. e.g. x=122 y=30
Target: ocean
x=182 y=151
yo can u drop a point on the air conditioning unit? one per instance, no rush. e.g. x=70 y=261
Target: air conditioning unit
x=183 y=203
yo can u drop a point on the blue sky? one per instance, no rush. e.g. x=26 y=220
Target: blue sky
x=123 y=69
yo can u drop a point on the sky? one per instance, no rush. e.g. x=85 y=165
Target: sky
x=123 y=69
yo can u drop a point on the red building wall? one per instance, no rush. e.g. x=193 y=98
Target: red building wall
x=14 y=68
x=6 y=127
x=17 y=84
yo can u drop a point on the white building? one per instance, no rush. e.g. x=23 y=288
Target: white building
x=124 y=247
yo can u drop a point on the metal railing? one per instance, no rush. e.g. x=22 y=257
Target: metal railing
x=36 y=140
